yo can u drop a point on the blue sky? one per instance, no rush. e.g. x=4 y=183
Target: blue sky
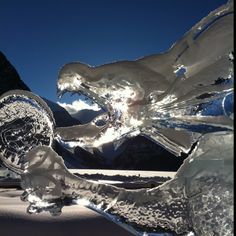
x=38 y=37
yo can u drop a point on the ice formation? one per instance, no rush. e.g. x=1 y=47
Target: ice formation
x=179 y=99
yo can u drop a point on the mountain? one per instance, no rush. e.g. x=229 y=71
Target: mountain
x=137 y=153
x=9 y=78
x=86 y=115
x=61 y=115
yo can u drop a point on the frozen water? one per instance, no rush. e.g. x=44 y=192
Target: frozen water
x=199 y=198
x=171 y=98
x=179 y=98
x=25 y=122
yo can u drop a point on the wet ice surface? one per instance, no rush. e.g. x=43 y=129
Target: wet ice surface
x=179 y=98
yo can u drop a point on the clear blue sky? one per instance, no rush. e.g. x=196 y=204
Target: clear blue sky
x=38 y=37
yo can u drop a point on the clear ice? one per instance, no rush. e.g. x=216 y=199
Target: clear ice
x=25 y=122
x=199 y=198
x=171 y=98
x=181 y=99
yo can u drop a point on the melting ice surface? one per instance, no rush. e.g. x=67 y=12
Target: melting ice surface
x=178 y=98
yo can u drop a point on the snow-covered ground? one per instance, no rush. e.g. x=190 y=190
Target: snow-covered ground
x=75 y=220
x=125 y=172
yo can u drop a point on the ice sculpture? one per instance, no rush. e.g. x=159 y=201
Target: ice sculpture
x=179 y=98
x=171 y=98
x=199 y=198
x=25 y=122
